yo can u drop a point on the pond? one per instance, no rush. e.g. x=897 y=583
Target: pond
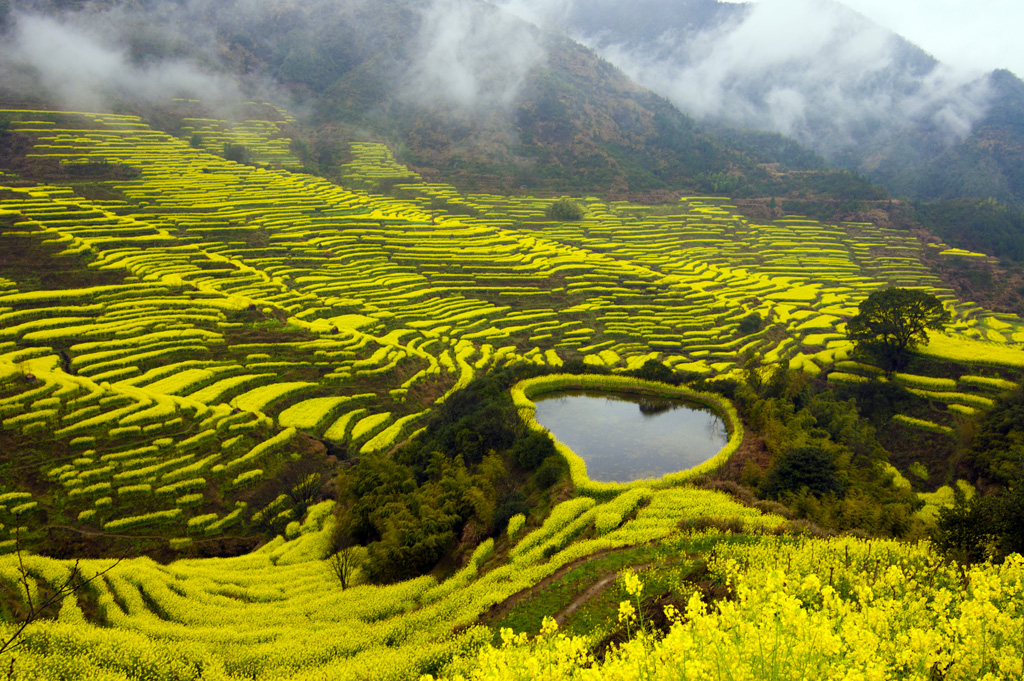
x=625 y=437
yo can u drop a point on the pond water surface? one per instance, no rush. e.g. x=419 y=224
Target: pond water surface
x=625 y=437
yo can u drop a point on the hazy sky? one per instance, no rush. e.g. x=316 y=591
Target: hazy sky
x=973 y=34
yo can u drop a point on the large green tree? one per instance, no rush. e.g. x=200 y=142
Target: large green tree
x=891 y=322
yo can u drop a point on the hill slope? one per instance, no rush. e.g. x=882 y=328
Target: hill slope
x=191 y=347
x=860 y=96
x=207 y=304
x=463 y=91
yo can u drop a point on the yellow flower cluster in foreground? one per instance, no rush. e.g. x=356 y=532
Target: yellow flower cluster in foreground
x=842 y=609
x=795 y=608
x=278 y=613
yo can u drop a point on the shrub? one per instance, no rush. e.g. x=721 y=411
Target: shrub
x=739 y=492
x=548 y=474
x=532 y=450
x=342 y=564
x=512 y=505
x=238 y=153
x=774 y=508
x=919 y=470
x=750 y=324
x=964 y=531
x=997 y=449
x=805 y=528
x=515 y=523
x=812 y=467
x=565 y=209
x=653 y=370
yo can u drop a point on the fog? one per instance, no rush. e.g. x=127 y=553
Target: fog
x=462 y=54
x=810 y=69
x=81 y=63
x=471 y=56
x=981 y=35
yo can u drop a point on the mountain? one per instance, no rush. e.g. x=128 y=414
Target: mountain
x=586 y=97
x=463 y=91
x=861 y=96
x=987 y=163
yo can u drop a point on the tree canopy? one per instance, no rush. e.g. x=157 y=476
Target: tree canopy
x=891 y=322
x=565 y=210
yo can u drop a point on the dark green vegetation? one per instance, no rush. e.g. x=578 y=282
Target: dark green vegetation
x=565 y=209
x=830 y=449
x=989 y=162
x=983 y=528
x=998 y=448
x=891 y=322
x=473 y=468
x=984 y=225
x=990 y=526
x=826 y=461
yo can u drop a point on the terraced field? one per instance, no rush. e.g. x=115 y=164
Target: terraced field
x=272 y=614
x=235 y=319
x=254 y=306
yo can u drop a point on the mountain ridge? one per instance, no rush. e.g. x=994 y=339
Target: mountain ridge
x=904 y=120
x=575 y=123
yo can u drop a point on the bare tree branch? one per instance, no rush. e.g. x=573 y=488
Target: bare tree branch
x=343 y=564
x=60 y=593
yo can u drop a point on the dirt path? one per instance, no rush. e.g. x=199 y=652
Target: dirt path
x=499 y=610
x=593 y=591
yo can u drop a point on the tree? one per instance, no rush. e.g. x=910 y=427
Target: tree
x=530 y=451
x=983 y=527
x=891 y=322
x=565 y=209
x=964 y=531
x=998 y=448
x=239 y=153
x=812 y=467
x=343 y=565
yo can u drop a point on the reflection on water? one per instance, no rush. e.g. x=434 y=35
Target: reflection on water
x=651 y=406
x=623 y=437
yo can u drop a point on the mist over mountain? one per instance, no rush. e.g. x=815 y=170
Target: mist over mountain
x=812 y=70
x=461 y=89
x=548 y=94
